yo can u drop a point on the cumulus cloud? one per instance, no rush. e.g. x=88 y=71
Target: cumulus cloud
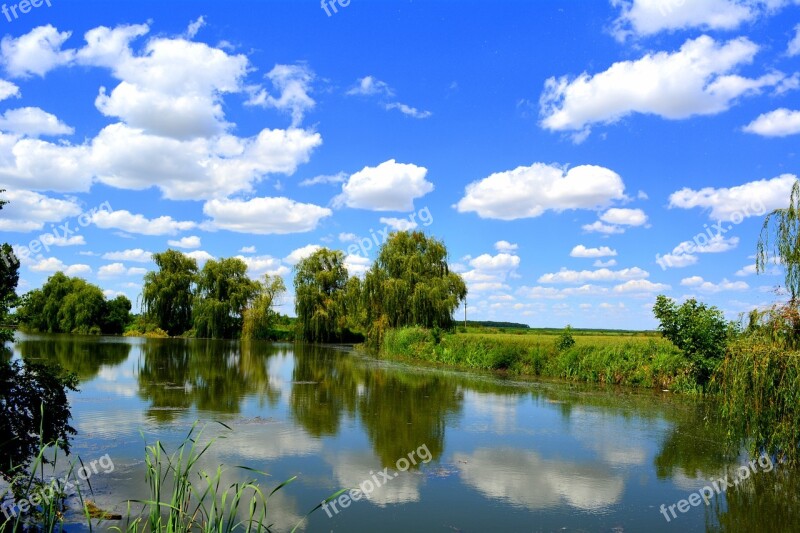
x=136 y=255
x=139 y=224
x=371 y=86
x=201 y=256
x=30 y=211
x=52 y=264
x=528 y=192
x=33 y=122
x=407 y=110
x=8 y=89
x=391 y=186
x=582 y=251
x=35 y=53
x=599 y=263
x=399 y=224
x=294 y=84
x=600 y=275
x=640 y=286
x=501 y=262
x=505 y=247
x=301 y=253
x=186 y=242
x=794 y=45
x=754 y=198
x=699 y=284
x=341 y=177
x=264 y=216
x=259 y=265
x=648 y=17
x=624 y=217
x=779 y=123
x=599 y=227
x=698 y=79
x=115 y=270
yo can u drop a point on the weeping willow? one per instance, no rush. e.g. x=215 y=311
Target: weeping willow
x=167 y=293
x=780 y=242
x=223 y=293
x=320 y=290
x=260 y=314
x=410 y=284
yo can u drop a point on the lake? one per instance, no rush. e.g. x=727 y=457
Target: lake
x=491 y=454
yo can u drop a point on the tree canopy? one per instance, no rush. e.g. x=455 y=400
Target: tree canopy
x=223 y=293
x=779 y=242
x=168 y=292
x=319 y=282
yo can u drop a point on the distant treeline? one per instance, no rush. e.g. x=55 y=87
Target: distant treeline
x=491 y=324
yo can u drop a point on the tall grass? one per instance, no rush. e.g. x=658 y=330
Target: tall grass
x=643 y=362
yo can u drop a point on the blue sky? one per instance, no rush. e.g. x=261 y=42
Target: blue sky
x=577 y=158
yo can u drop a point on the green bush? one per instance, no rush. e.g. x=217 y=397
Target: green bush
x=565 y=340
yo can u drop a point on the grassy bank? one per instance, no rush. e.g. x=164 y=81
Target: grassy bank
x=641 y=361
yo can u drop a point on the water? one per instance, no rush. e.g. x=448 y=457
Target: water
x=491 y=454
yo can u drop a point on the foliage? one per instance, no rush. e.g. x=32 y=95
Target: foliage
x=72 y=305
x=565 y=340
x=260 y=317
x=35 y=410
x=9 y=277
x=223 y=293
x=320 y=281
x=782 y=229
x=410 y=284
x=700 y=331
x=759 y=383
x=167 y=294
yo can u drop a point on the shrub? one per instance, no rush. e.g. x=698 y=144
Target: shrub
x=565 y=340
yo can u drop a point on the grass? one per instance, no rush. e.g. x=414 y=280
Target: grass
x=183 y=497
x=641 y=361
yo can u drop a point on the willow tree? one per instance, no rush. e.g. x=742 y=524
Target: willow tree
x=410 y=284
x=260 y=314
x=319 y=284
x=780 y=242
x=167 y=293
x=223 y=293
x=9 y=278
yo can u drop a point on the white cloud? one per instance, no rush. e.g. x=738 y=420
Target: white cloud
x=714 y=245
x=8 y=89
x=301 y=253
x=52 y=264
x=754 y=198
x=33 y=122
x=599 y=227
x=265 y=216
x=195 y=27
x=554 y=293
x=506 y=247
x=294 y=84
x=648 y=17
x=370 y=86
x=528 y=192
x=676 y=260
x=259 y=265
x=248 y=250
x=699 y=79
x=408 y=110
x=186 y=242
x=348 y=237
x=356 y=265
x=201 y=256
x=126 y=221
x=779 y=123
x=600 y=275
x=499 y=262
x=29 y=211
x=136 y=255
x=341 y=177
x=599 y=263
x=582 y=251
x=391 y=186
x=793 y=48
x=698 y=283
x=399 y=224
x=114 y=270
x=624 y=217
x=640 y=286
x=37 y=52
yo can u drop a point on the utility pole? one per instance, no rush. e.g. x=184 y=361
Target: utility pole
x=465 y=313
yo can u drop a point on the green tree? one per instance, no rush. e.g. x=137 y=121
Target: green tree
x=118 y=315
x=83 y=309
x=780 y=242
x=319 y=284
x=700 y=331
x=167 y=294
x=9 y=278
x=260 y=315
x=410 y=284
x=223 y=293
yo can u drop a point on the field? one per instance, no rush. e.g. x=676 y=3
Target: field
x=619 y=358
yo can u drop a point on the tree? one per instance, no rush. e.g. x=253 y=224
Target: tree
x=410 y=284
x=9 y=278
x=118 y=315
x=260 y=315
x=319 y=284
x=223 y=293
x=783 y=225
x=700 y=331
x=167 y=294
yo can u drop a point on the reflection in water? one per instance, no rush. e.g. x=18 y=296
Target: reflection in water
x=83 y=356
x=512 y=452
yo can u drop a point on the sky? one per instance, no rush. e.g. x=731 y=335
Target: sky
x=576 y=158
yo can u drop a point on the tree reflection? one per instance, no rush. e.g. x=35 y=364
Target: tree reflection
x=83 y=356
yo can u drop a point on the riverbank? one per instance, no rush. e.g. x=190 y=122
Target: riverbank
x=639 y=361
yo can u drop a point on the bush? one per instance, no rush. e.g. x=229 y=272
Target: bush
x=565 y=340
x=700 y=331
